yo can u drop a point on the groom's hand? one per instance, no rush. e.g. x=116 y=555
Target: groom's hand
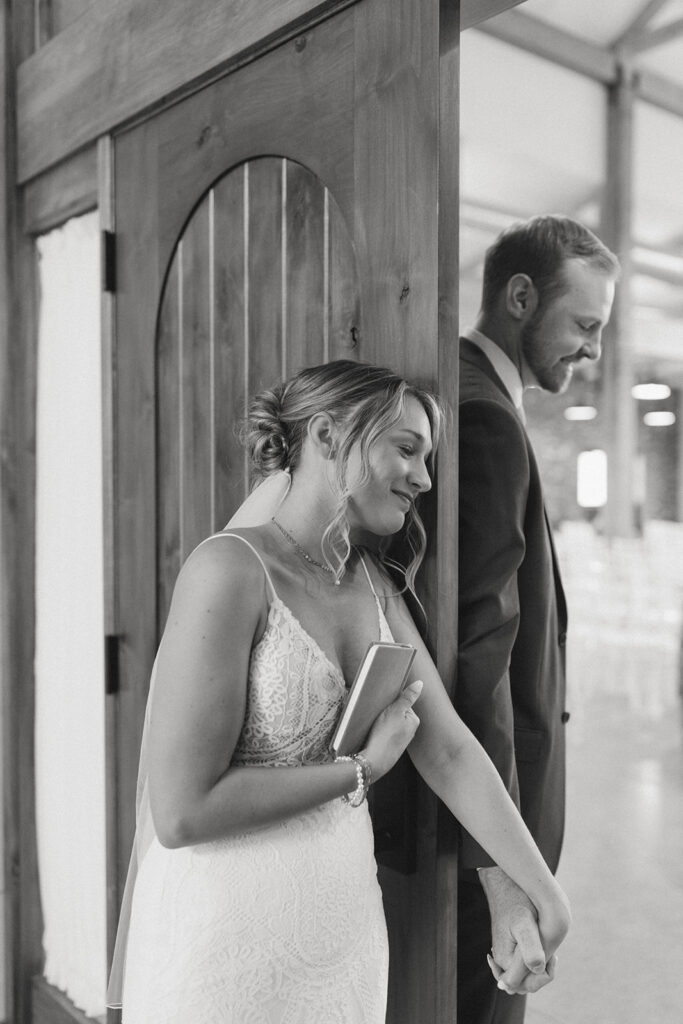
x=518 y=960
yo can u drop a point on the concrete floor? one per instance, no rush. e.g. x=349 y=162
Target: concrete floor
x=622 y=864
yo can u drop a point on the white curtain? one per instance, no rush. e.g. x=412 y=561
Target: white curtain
x=70 y=801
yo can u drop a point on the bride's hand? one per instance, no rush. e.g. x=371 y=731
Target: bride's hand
x=547 y=925
x=554 y=918
x=392 y=731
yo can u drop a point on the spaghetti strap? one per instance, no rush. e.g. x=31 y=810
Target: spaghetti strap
x=372 y=587
x=223 y=533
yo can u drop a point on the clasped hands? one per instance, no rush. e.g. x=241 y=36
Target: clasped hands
x=522 y=956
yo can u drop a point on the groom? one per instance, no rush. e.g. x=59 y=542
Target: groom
x=548 y=291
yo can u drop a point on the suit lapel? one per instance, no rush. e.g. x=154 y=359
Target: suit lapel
x=470 y=353
x=474 y=355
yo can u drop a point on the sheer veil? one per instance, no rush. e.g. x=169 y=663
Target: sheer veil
x=257 y=509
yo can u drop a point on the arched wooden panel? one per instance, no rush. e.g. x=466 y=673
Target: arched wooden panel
x=262 y=281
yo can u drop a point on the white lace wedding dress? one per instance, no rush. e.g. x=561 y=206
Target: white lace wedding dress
x=283 y=925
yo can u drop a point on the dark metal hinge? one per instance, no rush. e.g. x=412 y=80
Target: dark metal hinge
x=111 y=664
x=108 y=261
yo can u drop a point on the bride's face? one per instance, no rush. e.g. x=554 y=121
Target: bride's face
x=398 y=473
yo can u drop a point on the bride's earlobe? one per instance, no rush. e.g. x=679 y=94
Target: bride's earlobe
x=322 y=430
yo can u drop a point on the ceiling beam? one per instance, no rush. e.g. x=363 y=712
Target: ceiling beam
x=660 y=92
x=649 y=263
x=640 y=22
x=473 y=12
x=575 y=54
x=655 y=37
x=552 y=44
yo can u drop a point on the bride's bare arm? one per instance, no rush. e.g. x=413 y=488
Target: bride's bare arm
x=460 y=772
x=219 y=609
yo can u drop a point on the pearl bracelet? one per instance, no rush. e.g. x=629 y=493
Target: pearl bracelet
x=363 y=779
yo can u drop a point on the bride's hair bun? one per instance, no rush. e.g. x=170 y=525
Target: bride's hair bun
x=267 y=437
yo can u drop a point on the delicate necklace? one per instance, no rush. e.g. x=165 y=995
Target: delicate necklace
x=304 y=554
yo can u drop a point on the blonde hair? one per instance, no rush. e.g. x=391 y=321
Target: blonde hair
x=365 y=401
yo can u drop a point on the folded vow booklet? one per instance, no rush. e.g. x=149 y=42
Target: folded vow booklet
x=378 y=683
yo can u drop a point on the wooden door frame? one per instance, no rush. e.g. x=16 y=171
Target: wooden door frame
x=56 y=192
x=408 y=301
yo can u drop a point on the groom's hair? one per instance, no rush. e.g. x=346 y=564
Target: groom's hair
x=540 y=248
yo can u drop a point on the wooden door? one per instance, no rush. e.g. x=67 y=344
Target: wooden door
x=281 y=216
x=262 y=281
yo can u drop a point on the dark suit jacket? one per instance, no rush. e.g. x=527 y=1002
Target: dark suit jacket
x=510 y=687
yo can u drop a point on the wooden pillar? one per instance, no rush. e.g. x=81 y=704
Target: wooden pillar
x=18 y=302
x=620 y=413
x=679 y=454
x=446 y=545
x=406 y=231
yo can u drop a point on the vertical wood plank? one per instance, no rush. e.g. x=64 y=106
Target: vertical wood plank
x=344 y=335
x=139 y=285
x=396 y=237
x=264 y=273
x=23 y=924
x=105 y=190
x=269 y=106
x=443 y=532
x=197 y=429
x=168 y=438
x=305 y=268
x=395 y=155
x=163 y=167
x=230 y=347
x=105 y=202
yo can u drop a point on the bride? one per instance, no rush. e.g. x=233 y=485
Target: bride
x=253 y=896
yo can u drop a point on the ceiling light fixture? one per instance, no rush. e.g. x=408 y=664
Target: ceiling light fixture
x=650 y=392
x=580 y=412
x=659 y=419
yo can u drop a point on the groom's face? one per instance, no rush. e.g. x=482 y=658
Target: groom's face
x=570 y=327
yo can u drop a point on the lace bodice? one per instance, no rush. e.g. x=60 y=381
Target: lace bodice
x=295 y=693
x=282 y=924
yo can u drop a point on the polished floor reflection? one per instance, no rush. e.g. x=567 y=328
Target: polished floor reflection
x=623 y=857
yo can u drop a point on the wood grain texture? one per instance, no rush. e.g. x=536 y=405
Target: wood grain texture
x=169 y=399
x=68 y=190
x=64 y=13
x=305 y=312
x=196 y=435
x=79 y=86
x=396 y=238
x=18 y=343
x=356 y=102
x=248 y=295
x=135 y=460
x=230 y=352
x=270 y=107
x=264 y=271
x=444 y=532
x=105 y=189
x=343 y=291
x=395 y=150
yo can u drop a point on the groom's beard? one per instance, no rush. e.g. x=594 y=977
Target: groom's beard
x=551 y=373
